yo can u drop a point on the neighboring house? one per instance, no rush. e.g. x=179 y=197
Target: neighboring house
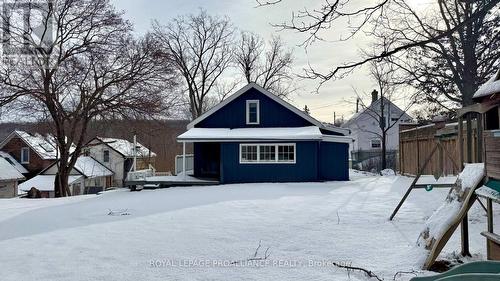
x=118 y=156
x=33 y=151
x=87 y=177
x=254 y=136
x=365 y=128
x=9 y=177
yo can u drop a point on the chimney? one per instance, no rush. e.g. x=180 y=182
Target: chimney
x=374 y=96
x=439 y=121
x=357 y=105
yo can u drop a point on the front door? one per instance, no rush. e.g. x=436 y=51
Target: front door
x=207 y=160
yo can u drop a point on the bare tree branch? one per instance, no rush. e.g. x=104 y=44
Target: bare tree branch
x=269 y=67
x=201 y=48
x=91 y=68
x=367 y=19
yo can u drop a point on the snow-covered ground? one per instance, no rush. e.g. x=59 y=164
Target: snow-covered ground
x=208 y=233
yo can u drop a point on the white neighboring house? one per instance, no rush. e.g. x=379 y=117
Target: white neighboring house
x=9 y=176
x=118 y=156
x=365 y=127
x=87 y=177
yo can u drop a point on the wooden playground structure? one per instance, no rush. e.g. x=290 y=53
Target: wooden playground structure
x=475 y=138
x=432 y=150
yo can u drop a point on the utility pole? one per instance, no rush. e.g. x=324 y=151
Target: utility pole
x=135 y=152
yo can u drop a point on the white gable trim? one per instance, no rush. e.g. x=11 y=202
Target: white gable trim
x=271 y=96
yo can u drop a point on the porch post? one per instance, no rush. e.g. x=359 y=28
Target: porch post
x=461 y=142
x=184 y=159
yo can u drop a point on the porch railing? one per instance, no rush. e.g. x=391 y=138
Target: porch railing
x=146 y=173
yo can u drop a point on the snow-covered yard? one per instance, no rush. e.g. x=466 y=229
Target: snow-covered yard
x=197 y=233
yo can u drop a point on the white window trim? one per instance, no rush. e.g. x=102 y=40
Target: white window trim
x=22 y=154
x=248 y=112
x=276 y=161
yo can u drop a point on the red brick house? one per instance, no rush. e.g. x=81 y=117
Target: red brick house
x=34 y=151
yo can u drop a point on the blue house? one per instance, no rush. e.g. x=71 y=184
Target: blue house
x=255 y=136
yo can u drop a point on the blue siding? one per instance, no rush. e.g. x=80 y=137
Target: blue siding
x=315 y=160
x=334 y=161
x=305 y=168
x=272 y=114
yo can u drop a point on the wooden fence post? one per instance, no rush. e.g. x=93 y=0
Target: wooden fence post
x=479 y=138
x=461 y=142
x=469 y=137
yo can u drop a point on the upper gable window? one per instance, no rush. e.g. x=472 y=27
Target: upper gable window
x=105 y=156
x=253 y=112
x=25 y=155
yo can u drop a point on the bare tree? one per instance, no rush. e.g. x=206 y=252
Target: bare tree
x=201 y=48
x=268 y=65
x=365 y=19
x=449 y=70
x=75 y=62
x=381 y=109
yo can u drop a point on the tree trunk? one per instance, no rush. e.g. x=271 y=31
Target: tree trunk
x=61 y=187
x=192 y=104
x=382 y=128
x=384 y=150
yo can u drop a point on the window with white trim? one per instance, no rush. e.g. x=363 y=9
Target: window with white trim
x=25 y=155
x=286 y=153
x=248 y=153
x=267 y=153
x=253 y=112
x=376 y=143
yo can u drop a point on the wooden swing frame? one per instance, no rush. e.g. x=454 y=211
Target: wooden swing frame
x=465 y=114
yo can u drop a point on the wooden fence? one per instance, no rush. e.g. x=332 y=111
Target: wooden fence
x=416 y=145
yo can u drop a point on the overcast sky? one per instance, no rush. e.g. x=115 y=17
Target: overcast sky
x=322 y=55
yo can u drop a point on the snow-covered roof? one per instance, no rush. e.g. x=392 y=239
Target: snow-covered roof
x=272 y=96
x=91 y=168
x=43 y=183
x=255 y=134
x=491 y=87
x=44 y=146
x=126 y=148
x=8 y=172
x=13 y=162
x=86 y=166
x=375 y=107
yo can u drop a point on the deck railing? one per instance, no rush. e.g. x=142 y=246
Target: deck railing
x=143 y=174
x=178 y=163
x=140 y=175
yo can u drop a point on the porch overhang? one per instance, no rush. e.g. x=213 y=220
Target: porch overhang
x=311 y=133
